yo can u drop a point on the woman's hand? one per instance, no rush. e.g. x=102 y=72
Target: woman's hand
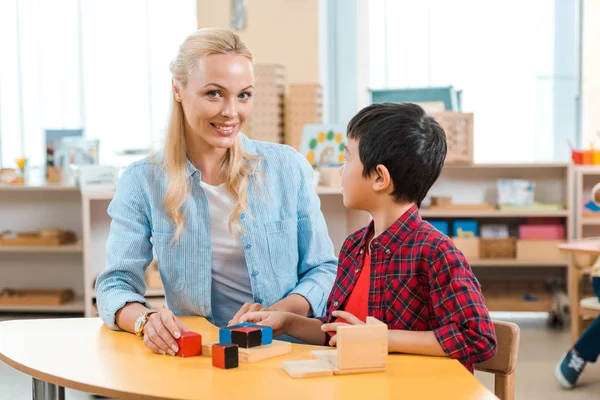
x=247 y=307
x=277 y=320
x=161 y=330
x=332 y=327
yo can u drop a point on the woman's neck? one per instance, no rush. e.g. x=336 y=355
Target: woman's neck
x=207 y=159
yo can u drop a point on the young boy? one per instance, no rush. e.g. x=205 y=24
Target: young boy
x=399 y=269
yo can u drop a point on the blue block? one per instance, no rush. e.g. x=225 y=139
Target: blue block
x=467 y=226
x=225 y=334
x=267 y=334
x=441 y=226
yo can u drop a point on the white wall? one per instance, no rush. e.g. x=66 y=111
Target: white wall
x=277 y=31
x=590 y=115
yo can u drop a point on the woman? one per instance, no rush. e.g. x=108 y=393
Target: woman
x=236 y=224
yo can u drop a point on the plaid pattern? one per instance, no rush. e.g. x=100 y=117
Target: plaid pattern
x=420 y=281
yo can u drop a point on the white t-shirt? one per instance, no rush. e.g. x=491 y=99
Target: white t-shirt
x=231 y=286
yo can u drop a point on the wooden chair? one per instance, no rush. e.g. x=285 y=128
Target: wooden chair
x=589 y=309
x=503 y=364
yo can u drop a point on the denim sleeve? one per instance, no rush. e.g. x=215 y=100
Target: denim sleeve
x=128 y=249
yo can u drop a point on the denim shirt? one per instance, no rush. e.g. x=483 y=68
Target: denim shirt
x=285 y=239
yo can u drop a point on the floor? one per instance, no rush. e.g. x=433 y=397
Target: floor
x=540 y=349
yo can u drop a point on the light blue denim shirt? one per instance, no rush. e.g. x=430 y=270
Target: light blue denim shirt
x=285 y=239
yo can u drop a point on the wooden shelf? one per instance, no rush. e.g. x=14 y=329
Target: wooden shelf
x=98 y=195
x=512 y=262
x=588 y=169
x=55 y=187
x=532 y=165
x=590 y=221
x=518 y=304
x=492 y=214
x=65 y=248
x=75 y=306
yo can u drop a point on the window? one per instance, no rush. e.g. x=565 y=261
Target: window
x=100 y=66
x=515 y=62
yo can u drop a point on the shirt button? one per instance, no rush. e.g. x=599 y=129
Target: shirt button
x=387 y=251
x=360 y=252
x=242 y=216
x=357 y=270
x=248 y=246
x=335 y=303
x=260 y=301
x=254 y=273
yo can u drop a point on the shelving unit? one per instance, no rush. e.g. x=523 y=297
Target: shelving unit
x=586 y=177
x=475 y=184
x=30 y=208
x=586 y=226
x=76 y=266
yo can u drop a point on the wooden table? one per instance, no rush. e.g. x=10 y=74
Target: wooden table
x=83 y=354
x=575 y=248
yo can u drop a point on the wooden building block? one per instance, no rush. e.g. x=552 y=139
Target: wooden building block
x=225 y=355
x=246 y=337
x=363 y=346
x=275 y=349
x=267 y=332
x=225 y=334
x=190 y=344
x=360 y=349
x=307 y=368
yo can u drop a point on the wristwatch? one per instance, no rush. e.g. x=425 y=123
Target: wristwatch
x=140 y=322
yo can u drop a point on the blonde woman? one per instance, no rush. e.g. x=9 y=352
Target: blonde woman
x=235 y=223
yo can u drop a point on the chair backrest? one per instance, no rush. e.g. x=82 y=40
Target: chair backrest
x=505 y=360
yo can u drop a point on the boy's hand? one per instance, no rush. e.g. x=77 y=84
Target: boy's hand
x=332 y=327
x=278 y=320
x=247 y=307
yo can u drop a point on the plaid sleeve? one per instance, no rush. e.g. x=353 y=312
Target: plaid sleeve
x=466 y=331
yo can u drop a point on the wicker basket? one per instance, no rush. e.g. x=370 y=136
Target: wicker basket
x=498 y=248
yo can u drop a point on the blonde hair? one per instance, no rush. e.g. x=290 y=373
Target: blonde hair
x=237 y=166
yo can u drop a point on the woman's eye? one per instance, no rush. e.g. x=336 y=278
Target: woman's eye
x=213 y=94
x=245 y=96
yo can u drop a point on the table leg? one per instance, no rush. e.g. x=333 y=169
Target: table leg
x=46 y=391
x=573 y=279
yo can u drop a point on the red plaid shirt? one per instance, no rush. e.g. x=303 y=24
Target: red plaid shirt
x=420 y=281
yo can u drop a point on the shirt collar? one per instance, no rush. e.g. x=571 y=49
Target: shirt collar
x=393 y=236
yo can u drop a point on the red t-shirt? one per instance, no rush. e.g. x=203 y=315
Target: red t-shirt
x=358 y=301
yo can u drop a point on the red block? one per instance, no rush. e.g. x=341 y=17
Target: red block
x=225 y=355
x=190 y=344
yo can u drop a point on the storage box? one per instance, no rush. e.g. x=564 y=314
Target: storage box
x=465 y=228
x=468 y=246
x=540 y=250
x=441 y=200
x=441 y=226
x=498 y=248
x=541 y=232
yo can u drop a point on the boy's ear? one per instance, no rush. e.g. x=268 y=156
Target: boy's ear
x=382 y=181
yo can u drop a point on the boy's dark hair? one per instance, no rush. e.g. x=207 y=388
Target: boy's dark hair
x=409 y=143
